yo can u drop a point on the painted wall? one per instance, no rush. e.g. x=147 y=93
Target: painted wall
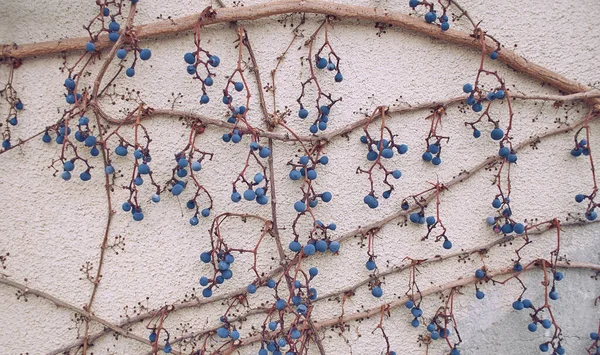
x=51 y=227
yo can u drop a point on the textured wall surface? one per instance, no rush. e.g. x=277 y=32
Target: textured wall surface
x=52 y=227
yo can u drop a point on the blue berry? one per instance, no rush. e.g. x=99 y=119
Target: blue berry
x=334 y=247
x=280 y=304
x=66 y=175
x=214 y=61
x=300 y=206
x=430 y=17
x=402 y=148
x=205 y=257
x=447 y=244
x=377 y=292
x=191 y=69
x=114 y=26
x=370 y=265
x=387 y=153
x=546 y=323
x=338 y=77
x=321 y=246
x=416 y=312
x=435 y=335
x=85 y=176
x=476 y=133
x=236 y=197
x=496 y=203
x=413 y=3
x=591 y=215
x=532 y=327
x=223 y=332
x=500 y=94
x=468 y=88
x=427 y=156
x=519 y=228
x=494 y=55
x=177 y=189
x=90 y=47
x=189 y=58
x=68 y=165
x=518 y=305
x=264 y=152
x=295 y=175
x=303 y=113
x=445 y=26
x=321 y=63
x=113 y=36
x=309 y=249
x=497 y=134
x=480 y=274
x=436 y=160
x=479 y=294
x=477 y=107
x=130 y=72
x=249 y=195
x=239 y=86
x=145 y=54
x=553 y=295
x=70 y=84
x=46 y=138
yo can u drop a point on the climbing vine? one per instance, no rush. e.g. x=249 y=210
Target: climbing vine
x=270 y=285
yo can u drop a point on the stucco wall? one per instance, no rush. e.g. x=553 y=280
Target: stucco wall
x=51 y=227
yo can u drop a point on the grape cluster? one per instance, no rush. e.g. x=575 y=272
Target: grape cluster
x=380 y=150
x=431 y=15
x=194 y=61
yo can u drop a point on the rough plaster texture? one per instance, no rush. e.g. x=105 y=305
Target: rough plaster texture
x=52 y=227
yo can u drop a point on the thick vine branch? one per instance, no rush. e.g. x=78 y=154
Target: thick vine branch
x=462 y=281
x=62 y=304
x=254 y=12
x=360 y=230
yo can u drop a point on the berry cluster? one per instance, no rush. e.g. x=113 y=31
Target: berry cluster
x=14 y=105
x=324 y=58
x=194 y=61
x=190 y=158
x=433 y=222
x=433 y=142
x=431 y=16
x=377 y=149
x=582 y=146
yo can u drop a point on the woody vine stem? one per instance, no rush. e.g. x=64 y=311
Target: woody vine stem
x=289 y=323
